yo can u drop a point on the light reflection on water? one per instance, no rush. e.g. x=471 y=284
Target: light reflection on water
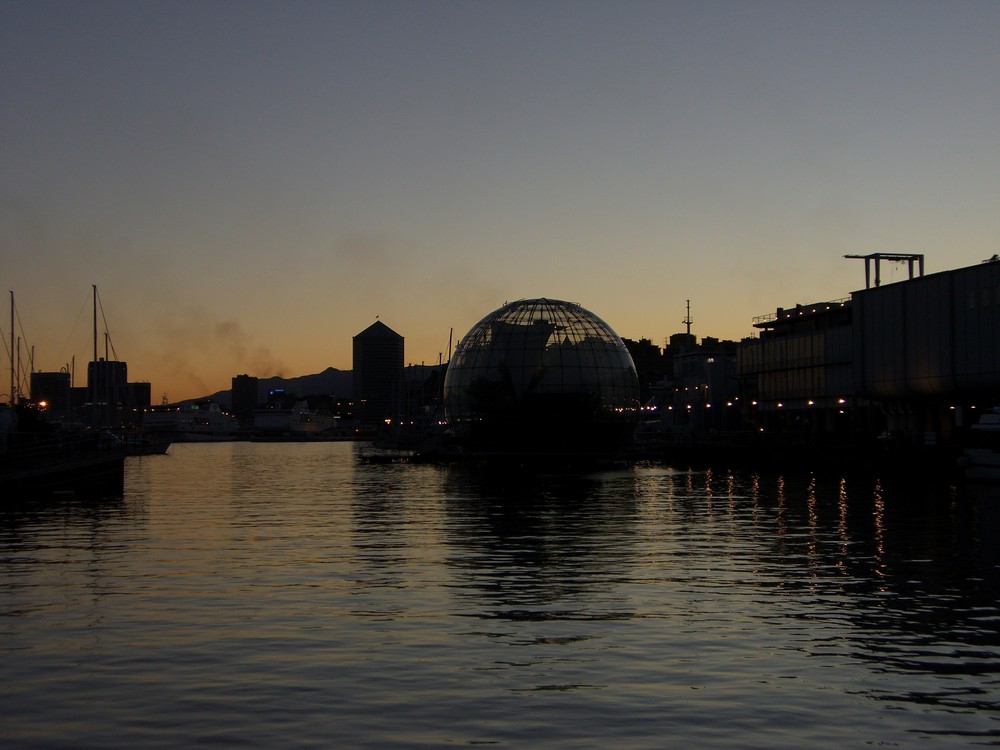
x=289 y=595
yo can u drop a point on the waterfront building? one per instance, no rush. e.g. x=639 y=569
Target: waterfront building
x=650 y=365
x=139 y=395
x=378 y=375
x=111 y=400
x=107 y=382
x=796 y=376
x=699 y=389
x=928 y=350
x=52 y=388
x=705 y=386
x=108 y=399
x=914 y=361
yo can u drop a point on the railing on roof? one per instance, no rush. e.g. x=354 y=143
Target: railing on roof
x=791 y=312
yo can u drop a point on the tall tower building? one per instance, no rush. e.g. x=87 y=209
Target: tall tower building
x=107 y=389
x=245 y=396
x=378 y=374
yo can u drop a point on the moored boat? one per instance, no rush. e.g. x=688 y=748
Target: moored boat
x=198 y=422
x=981 y=457
x=298 y=422
x=38 y=458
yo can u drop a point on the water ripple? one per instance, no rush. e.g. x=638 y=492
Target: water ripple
x=255 y=595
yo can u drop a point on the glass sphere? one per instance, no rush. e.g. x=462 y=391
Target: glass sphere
x=541 y=376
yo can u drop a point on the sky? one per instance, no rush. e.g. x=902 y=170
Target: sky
x=251 y=184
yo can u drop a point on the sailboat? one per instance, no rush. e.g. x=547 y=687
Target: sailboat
x=38 y=458
x=108 y=390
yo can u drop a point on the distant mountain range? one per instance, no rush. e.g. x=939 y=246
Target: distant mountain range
x=331 y=382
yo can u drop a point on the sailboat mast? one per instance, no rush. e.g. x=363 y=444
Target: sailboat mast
x=95 y=322
x=92 y=371
x=12 y=401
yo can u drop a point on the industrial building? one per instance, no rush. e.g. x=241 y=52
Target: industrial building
x=928 y=349
x=914 y=361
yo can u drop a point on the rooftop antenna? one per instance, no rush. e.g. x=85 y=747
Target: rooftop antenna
x=687 y=318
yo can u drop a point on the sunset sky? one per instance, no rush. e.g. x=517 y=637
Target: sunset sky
x=249 y=184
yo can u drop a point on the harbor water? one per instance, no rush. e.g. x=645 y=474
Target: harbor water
x=294 y=595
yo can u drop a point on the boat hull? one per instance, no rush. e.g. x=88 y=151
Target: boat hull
x=981 y=464
x=84 y=472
